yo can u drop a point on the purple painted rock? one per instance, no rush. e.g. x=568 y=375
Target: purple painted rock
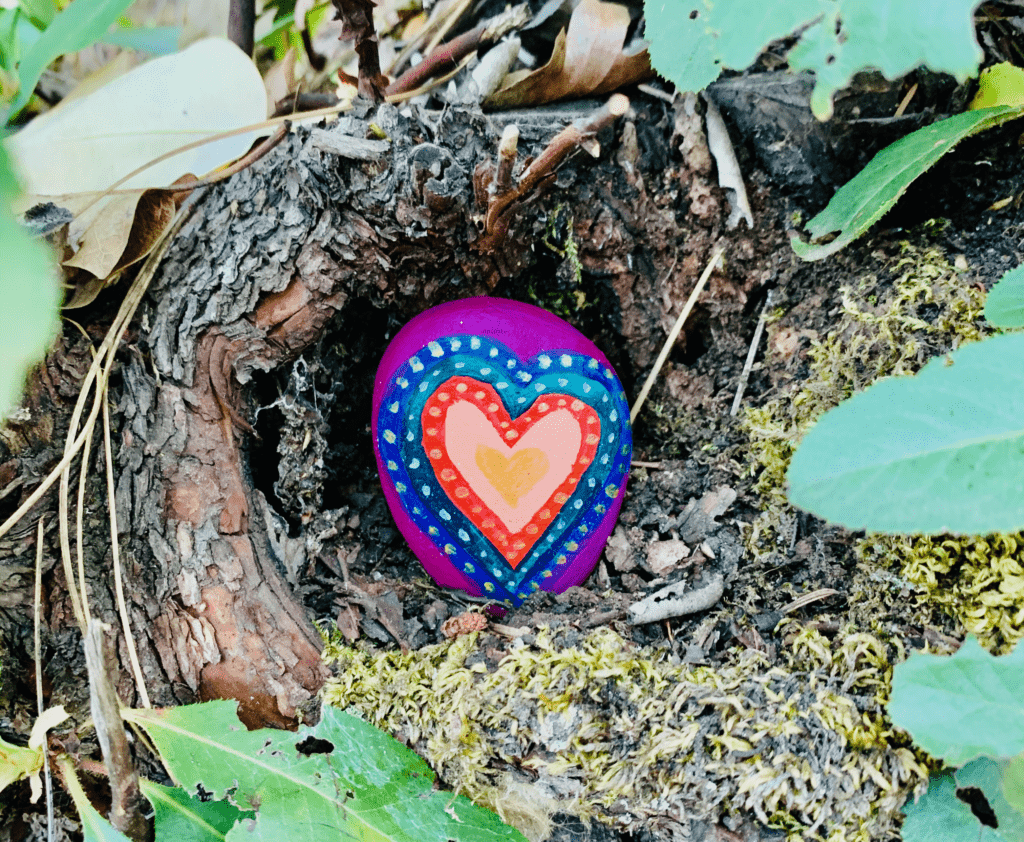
x=503 y=444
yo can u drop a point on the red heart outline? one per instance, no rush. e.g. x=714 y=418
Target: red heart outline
x=513 y=546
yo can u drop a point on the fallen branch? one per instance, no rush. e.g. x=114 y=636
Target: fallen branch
x=580 y=133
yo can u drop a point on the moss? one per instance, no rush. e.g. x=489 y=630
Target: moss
x=629 y=735
x=978 y=580
x=893 y=329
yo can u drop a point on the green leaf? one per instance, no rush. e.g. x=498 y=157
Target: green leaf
x=1013 y=783
x=178 y=815
x=17 y=762
x=692 y=41
x=963 y=706
x=1004 y=306
x=158 y=40
x=862 y=201
x=893 y=37
x=987 y=775
x=79 y=25
x=939 y=816
x=1000 y=84
x=95 y=828
x=340 y=778
x=30 y=290
x=942 y=451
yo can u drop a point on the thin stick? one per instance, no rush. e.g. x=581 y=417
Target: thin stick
x=125 y=798
x=37 y=649
x=674 y=335
x=751 y=353
x=115 y=550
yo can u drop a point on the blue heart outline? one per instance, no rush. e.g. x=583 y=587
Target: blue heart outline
x=520 y=384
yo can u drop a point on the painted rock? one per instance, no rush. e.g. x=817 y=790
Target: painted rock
x=503 y=445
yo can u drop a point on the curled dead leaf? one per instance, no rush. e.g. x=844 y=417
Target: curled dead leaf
x=588 y=59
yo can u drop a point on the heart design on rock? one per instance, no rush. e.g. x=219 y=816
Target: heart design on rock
x=510 y=468
x=509 y=477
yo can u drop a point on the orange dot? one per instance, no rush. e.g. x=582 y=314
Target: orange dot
x=511 y=434
x=528 y=419
x=592 y=438
x=488 y=524
x=443 y=396
x=504 y=424
x=477 y=509
x=479 y=395
x=447 y=474
x=519 y=545
x=462 y=492
x=431 y=431
x=576 y=405
x=501 y=538
x=435 y=411
x=573 y=480
x=561 y=403
x=584 y=460
x=435 y=454
x=560 y=497
x=511 y=556
x=542 y=407
x=591 y=420
x=544 y=514
x=492 y=407
x=461 y=387
x=532 y=529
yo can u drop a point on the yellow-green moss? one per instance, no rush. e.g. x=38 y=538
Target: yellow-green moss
x=630 y=736
x=892 y=330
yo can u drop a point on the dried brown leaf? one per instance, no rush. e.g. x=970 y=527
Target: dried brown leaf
x=124 y=231
x=587 y=59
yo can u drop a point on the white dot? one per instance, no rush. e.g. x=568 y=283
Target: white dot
x=456 y=344
x=435 y=349
x=425 y=490
x=474 y=342
x=414 y=464
x=565 y=360
x=544 y=361
x=416 y=364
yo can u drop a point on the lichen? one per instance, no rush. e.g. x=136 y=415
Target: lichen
x=893 y=329
x=632 y=737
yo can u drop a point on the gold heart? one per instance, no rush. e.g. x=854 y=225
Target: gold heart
x=512 y=478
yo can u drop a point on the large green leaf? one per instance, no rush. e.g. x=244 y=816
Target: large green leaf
x=179 y=816
x=862 y=201
x=1004 y=306
x=30 y=290
x=942 y=451
x=340 y=779
x=939 y=816
x=79 y=25
x=964 y=706
x=692 y=41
